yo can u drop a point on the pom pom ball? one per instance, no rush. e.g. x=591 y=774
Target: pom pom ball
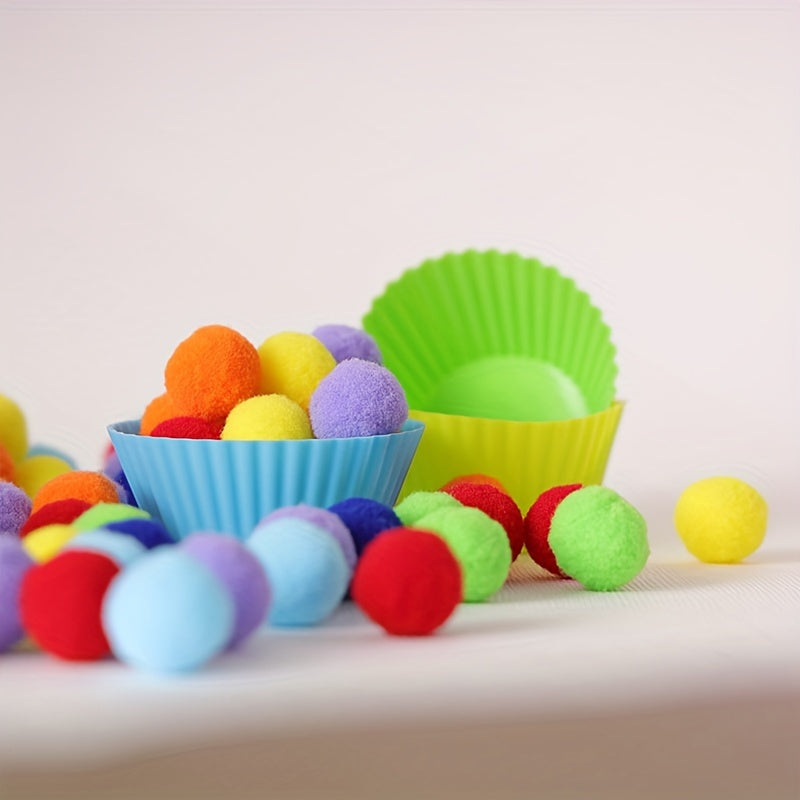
x=408 y=581
x=7 y=467
x=15 y=507
x=148 y=532
x=267 y=416
x=537 y=526
x=480 y=545
x=60 y=604
x=210 y=372
x=497 y=504
x=168 y=613
x=46 y=542
x=305 y=567
x=417 y=505
x=358 y=398
x=293 y=364
x=344 y=341
x=93 y=487
x=474 y=477
x=721 y=520
x=365 y=519
x=325 y=519
x=47 y=450
x=121 y=549
x=13 y=428
x=14 y=563
x=62 y=512
x=35 y=471
x=101 y=514
x=186 y=428
x=598 y=538
x=158 y=410
x=240 y=572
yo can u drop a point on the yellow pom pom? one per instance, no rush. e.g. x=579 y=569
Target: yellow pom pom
x=293 y=364
x=721 y=520
x=13 y=428
x=267 y=416
x=36 y=471
x=46 y=542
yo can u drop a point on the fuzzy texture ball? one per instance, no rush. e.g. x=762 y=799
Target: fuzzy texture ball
x=365 y=519
x=93 y=487
x=124 y=488
x=148 y=532
x=306 y=570
x=419 y=504
x=537 y=526
x=15 y=507
x=100 y=515
x=60 y=604
x=210 y=372
x=599 y=538
x=721 y=520
x=8 y=468
x=168 y=613
x=240 y=572
x=187 y=428
x=111 y=464
x=121 y=549
x=47 y=450
x=47 y=542
x=14 y=563
x=408 y=581
x=267 y=416
x=35 y=471
x=62 y=512
x=13 y=428
x=344 y=341
x=480 y=545
x=359 y=398
x=158 y=410
x=293 y=364
x=325 y=519
x=497 y=504
x=475 y=477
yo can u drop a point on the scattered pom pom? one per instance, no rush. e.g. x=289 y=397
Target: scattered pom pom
x=93 y=487
x=210 y=372
x=13 y=428
x=537 y=526
x=35 y=471
x=408 y=581
x=187 y=428
x=293 y=364
x=344 y=341
x=480 y=545
x=101 y=514
x=121 y=549
x=47 y=542
x=305 y=567
x=721 y=520
x=598 y=538
x=7 y=467
x=148 y=532
x=15 y=507
x=267 y=416
x=158 y=410
x=124 y=487
x=475 y=477
x=14 y=563
x=325 y=519
x=419 y=504
x=47 y=450
x=168 y=613
x=497 y=504
x=365 y=519
x=60 y=604
x=358 y=398
x=62 y=512
x=240 y=572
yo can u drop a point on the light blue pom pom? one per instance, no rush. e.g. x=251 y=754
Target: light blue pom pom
x=306 y=567
x=117 y=546
x=167 y=613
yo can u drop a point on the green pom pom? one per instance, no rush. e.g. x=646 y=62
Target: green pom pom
x=419 y=504
x=599 y=538
x=478 y=542
x=105 y=513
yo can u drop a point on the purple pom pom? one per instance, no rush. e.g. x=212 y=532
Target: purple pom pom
x=365 y=519
x=345 y=342
x=357 y=398
x=14 y=563
x=15 y=508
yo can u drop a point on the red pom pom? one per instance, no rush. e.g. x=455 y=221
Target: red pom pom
x=537 y=526
x=187 y=428
x=59 y=511
x=408 y=581
x=475 y=477
x=61 y=601
x=497 y=504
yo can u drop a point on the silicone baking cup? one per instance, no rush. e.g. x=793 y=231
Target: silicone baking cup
x=510 y=366
x=228 y=486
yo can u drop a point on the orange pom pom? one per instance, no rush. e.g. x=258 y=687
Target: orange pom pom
x=212 y=371
x=158 y=409
x=7 y=468
x=92 y=487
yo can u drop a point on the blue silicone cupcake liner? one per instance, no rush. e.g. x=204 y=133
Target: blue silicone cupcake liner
x=228 y=486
